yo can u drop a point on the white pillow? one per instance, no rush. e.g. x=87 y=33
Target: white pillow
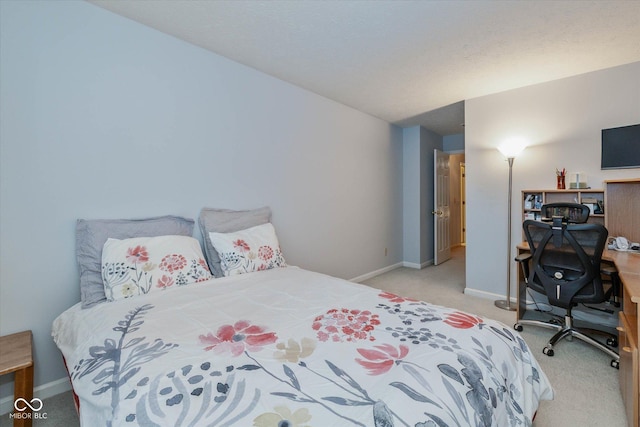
x=252 y=249
x=140 y=265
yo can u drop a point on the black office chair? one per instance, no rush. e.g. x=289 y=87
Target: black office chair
x=576 y=213
x=565 y=266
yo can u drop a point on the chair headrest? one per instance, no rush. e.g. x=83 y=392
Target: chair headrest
x=574 y=213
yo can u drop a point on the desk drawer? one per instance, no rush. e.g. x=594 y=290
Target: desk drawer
x=629 y=371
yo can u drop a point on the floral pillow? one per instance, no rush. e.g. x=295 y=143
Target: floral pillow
x=137 y=266
x=252 y=249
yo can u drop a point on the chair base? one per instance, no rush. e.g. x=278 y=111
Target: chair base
x=567 y=330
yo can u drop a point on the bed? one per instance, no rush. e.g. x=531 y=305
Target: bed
x=286 y=346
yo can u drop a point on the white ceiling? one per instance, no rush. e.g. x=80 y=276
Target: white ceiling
x=407 y=62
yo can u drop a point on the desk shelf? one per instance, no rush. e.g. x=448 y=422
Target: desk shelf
x=532 y=201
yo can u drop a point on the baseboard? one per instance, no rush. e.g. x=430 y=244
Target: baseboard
x=41 y=392
x=486 y=295
x=376 y=273
x=416 y=265
x=391 y=267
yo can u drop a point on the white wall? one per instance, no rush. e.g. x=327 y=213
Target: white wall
x=102 y=117
x=562 y=120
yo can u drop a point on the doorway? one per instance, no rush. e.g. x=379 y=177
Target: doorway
x=457 y=199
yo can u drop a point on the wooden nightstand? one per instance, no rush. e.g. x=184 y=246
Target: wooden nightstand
x=16 y=356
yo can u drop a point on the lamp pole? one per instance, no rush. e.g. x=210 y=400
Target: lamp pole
x=506 y=303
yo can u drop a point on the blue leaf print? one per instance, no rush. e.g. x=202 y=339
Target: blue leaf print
x=346 y=402
x=122 y=365
x=175 y=400
x=249 y=367
x=451 y=372
x=292 y=377
x=418 y=377
x=291 y=396
x=494 y=398
x=435 y=421
x=473 y=375
x=481 y=406
x=128 y=375
x=195 y=379
x=345 y=377
x=411 y=392
x=381 y=415
x=504 y=332
x=457 y=398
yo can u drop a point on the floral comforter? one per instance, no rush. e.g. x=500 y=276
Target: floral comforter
x=288 y=347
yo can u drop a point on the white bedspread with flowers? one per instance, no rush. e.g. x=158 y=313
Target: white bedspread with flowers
x=289 y=347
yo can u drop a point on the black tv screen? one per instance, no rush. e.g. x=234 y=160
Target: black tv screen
x=621 y=147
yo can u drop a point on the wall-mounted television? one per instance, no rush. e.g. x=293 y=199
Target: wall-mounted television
x=621 y=147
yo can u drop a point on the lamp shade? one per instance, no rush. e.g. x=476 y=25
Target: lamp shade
x=512 y=147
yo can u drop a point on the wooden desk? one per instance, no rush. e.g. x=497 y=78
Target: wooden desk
x=16 y=356
x=628 y=266
x=629 y=325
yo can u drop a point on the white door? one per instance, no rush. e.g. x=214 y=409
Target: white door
x=441 y=237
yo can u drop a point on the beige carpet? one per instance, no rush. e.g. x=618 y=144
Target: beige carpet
x=586 y=388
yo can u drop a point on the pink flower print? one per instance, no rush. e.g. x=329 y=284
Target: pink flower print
x=395 y=298
x=382 y=358
x=462 y=320
x=173 y=262
x=345 y=325
x=237 y=338
x=265 y=253
x=242 y=245
x=137 y=254
x=165 y=281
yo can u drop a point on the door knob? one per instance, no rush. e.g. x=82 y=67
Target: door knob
x=439 y=213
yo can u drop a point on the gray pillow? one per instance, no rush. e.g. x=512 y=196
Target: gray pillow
x=227 y=221
x=91 y=236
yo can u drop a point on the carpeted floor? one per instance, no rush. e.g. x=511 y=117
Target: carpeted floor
x=586 y=387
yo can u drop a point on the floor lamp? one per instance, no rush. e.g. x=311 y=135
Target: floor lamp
x=510 y=151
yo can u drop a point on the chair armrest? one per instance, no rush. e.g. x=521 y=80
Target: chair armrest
x=523 y=259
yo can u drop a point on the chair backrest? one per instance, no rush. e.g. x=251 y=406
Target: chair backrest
x=565 y=263
x=574 y=213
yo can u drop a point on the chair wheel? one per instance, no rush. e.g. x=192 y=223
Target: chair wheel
x=517 y=327
x=548 y=351
x=612 y=342
x=615 y=364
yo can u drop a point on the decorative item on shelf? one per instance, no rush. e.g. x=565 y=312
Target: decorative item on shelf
x=592 y=203
x=578 y=180
x=600 y=209
x=530 y=201
x=560 y=175
x=538 y=203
